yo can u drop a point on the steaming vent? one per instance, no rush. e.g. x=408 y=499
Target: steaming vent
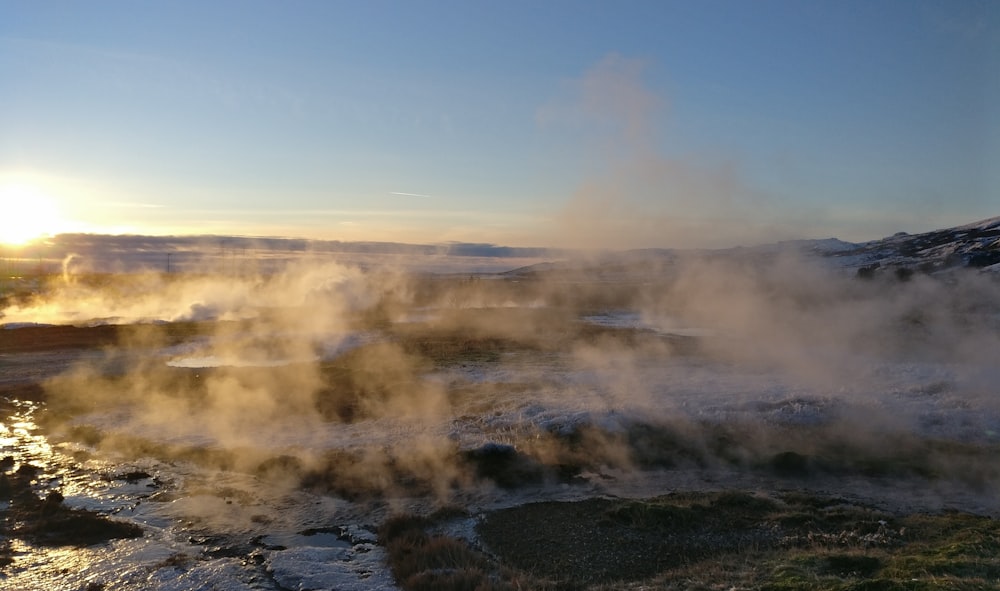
x=206 y=355
x=209 y=361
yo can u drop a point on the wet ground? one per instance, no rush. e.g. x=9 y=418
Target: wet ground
x=112 y=496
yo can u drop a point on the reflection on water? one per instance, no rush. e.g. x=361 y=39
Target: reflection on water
x=22 y=445
x=25 y=450
x=222 y=531
x=18 y=438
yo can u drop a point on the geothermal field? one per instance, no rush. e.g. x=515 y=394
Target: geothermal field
x=809 y=415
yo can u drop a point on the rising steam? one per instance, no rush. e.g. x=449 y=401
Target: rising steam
x=635 y=195
x=360 y=381
x=354 y=381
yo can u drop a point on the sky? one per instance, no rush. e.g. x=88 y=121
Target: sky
x=522 y=123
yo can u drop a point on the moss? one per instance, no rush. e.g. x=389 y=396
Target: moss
x=798 y=520
x=810 y=500
x=424 y=562
x=790 y=463
x=742 y=540
x=850 y=565
x=876 y=585
x=742 y=501
x=654 y=516
x=789 y=577
x=504 y=465
x=663 y=446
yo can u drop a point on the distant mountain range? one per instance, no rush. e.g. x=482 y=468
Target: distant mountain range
x=211 y=253
x=208 y=244
x=975 y=245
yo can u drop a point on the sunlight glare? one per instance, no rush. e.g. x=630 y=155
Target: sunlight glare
x=26 y=214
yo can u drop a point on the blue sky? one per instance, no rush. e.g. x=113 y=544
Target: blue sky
x=613 y=124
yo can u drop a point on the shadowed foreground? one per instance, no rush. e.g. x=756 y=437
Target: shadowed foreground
x=728 y=540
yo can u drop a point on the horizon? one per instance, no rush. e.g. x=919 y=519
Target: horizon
x=383 y=294
x=563 y=126
x=48 y=240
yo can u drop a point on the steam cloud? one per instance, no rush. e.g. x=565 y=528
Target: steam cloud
x=359 y=381
x=636 y=195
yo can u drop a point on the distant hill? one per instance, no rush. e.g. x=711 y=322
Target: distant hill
x=975 y=246
x=129 y=253
x=87 y=243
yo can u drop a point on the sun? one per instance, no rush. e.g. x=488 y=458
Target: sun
x=26 y=214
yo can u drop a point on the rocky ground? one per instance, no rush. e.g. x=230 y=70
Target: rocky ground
x=32 y=512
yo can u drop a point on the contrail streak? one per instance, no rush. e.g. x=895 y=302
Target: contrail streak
x=407 y=194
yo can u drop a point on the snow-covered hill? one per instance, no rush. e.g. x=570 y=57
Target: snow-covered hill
x=975 y=245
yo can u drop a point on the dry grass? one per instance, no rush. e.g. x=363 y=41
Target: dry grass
x=733 y=540
x=423 y=562
x=711 y=541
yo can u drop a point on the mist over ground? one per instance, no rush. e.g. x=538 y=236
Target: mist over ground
x=381 y=389
x=668 y=339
